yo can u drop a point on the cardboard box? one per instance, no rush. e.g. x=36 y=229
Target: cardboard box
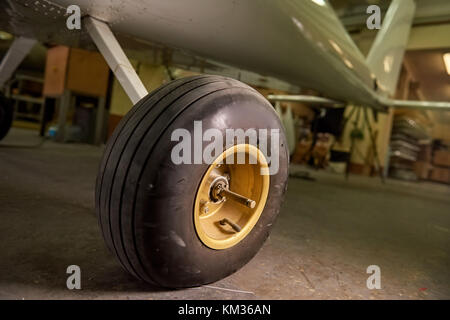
x=83 y=72
x=87 y=73
x=440 y=175
x=422 y=169
x=302 y=152
x=56 y=71
x=441 y=158
x=425 y=153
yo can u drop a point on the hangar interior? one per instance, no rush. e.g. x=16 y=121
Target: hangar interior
x=365 y=187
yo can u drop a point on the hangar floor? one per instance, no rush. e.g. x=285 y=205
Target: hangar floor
x=329 y=231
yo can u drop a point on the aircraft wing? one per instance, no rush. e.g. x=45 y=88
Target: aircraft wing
x=301 y=42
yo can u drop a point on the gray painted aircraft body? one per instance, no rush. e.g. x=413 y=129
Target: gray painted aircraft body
x=301 y=42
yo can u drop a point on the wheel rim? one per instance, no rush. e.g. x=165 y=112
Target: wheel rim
x=222 y=218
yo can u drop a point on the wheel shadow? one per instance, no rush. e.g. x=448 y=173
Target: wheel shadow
x=40 y=239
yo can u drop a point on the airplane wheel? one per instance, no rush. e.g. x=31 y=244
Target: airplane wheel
x=182 y=225
x=6 y=116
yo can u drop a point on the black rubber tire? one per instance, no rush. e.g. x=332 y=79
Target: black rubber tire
x=145 y=202
x=6 y=116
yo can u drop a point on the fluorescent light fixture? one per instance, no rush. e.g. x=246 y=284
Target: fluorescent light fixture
x=298 y=24
x=319 y=2
x=348 y=63
x=336 y=47
x=447 y=62
x=5 y=35
x=387 y=63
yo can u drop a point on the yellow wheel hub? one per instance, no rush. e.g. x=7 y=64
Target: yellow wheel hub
x=231 y=196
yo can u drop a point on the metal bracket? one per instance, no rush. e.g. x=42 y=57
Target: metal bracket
x=111 y=50
x=19 y=49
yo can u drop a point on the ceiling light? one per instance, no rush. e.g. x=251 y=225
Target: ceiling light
x=447 y=62
x=336 y=47
x=319 y=2
x=5 y=35
x=388 y=63
x=348 y=63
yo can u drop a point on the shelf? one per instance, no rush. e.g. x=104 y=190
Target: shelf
x=28 y=99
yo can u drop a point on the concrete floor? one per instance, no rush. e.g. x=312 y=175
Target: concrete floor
x=328 y=233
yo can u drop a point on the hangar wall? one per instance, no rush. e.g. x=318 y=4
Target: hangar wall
x=152 y=77
x=422 y=37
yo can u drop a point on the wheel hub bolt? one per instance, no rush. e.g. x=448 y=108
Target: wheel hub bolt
x=220 y=191
x=233 y=225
